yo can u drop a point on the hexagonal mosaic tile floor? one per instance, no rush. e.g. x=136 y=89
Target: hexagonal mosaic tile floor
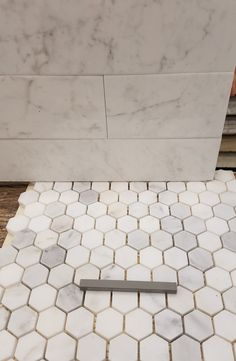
x=146 y=231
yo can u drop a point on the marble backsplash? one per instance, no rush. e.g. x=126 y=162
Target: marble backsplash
x=115 y=90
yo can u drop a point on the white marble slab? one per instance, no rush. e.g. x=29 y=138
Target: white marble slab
x=52 y=107
x=116 y=37
x=101 y=160
x=167 y=106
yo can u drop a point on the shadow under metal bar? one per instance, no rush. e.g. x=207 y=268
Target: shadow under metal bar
x=127 y=286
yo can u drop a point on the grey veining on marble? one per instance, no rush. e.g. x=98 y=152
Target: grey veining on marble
x=167 y=106
x=175 y=159
x=116 y=37
x=52 y=107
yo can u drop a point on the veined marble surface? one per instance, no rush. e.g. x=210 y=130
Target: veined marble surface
x=116 y=37
x=52 y=107
x=100 y=160
x=167 y=106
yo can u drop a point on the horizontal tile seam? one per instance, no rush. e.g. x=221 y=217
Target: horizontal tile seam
x=113 y=75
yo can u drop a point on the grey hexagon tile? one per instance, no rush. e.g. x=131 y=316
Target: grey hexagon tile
x=30 y=347
x=232 y=224
x=175 y=258
x=23 y=239
x=147 y=197
x=159 y=210
x=109 y=323
x=28 y=256
x=124 y=301
x=7 y=255
x=77 y=256
x=182 y=302
x=126 y=257
x=46 y=239
x=196 y=187
x=100 y=186
x=113 y=272
x=88 y=197
x=128 y=197
x=151 y=257
x=152 y=302
x=123 y=348
x=194 y=225
x=138 y=210
x=198 y=325
x=92 y=347
x=86 y=271
x=209 y=198
x=17 y=224
x=62 y=224
x=92 y=239
x=22 y=321
x=224 y=176
x=216 y=348
x=161 y=240
x=81 y=186
x=10 y=275
x=40 y=223
x=149 y=224
x=101 y=256
x=185 y=348
x=157 y=187
x=117 y=209
x=164 y=274
x=138 y=239
x=84 y=223
x=9 y=342
x=60 y=347
x=224 y=211
x=229 y=241
x=15 y=296
x=30 y=196
x=42 y=297
x=49 y=196
x=189 y=198
x=231 y=185
x=154 y=348
x=53 y=256
x=43 y=186
x=216 y=186
x=138 y=273
x=225 y=259
x=55 y=209
x=61 y=276
x=217 y=225
x=209 y=301
x=209 y=241
x=69 y=196
x=138 y=324
x=119 y=186
x=35 y=275
x=51 y=322
x=105 y=223
x=4 y=316
x=168 y=324
x=75 y=210
x=229 y=298
x=108 y=197
x=62 y=186
x=34 y=209
x=201 y=259
x=115 y=239
x=168 y=197
x=127 y=224
x=218 y=278
x=202 y=211
x=191 y=278
x=171 y=224
x=223 y=323
x=176 y=187
x=96 y=209
x=97 y=301
x=69 y=239
x=228 y=198
x=69 y=298
x=185 y=241
x=79 y=322
x=138 y=186
x=180 y=210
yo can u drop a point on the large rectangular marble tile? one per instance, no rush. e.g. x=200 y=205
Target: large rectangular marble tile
x=112 y=36
x=167 y=106
x=52 y=107
x=162 y=159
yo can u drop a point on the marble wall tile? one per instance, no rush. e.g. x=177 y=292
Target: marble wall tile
x=116 y=37
x=52 y=107
x=167 y=106
x=100 y=160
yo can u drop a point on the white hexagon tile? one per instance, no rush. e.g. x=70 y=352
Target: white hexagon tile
x=156 y=231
